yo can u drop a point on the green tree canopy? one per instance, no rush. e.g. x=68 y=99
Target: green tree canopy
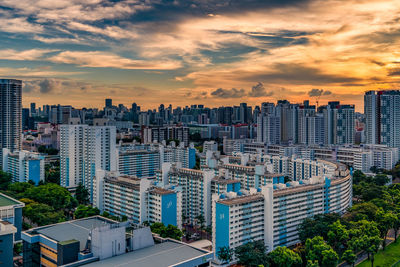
x=51 y=194
x=42 y=214
x=5 y=180
x=82 y=195
x=85 y=211
x=252 y=254
x=317 y=226
x=225 y=254
x=284 y=257
x=318 y=250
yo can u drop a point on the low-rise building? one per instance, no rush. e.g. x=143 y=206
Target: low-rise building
x=11 y=211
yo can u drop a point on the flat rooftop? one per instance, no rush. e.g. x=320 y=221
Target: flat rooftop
x=72 y=230
x=164 y=254
x=8 y=201
x=241 y=199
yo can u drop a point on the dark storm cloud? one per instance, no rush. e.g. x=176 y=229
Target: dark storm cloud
x=318 y=92
x=228 y=93
x=258 y=90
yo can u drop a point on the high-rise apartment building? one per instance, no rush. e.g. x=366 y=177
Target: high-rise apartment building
x=339 y=123
x=382 y=117
x=268 y=129
x=10 y=114
x=83 y=150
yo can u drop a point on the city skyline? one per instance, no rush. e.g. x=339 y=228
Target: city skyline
x=193 y=52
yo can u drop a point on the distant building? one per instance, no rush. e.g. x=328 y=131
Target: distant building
x=83 y=150
x=139 y=199
x=382 y=115
x=24 y=166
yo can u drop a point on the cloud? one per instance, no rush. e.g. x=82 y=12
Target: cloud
x=229 y=93
x=19 y=25
x=318 y=92
x=97 y=59
x=32 y=54
x=258 y=90
x=54 y=86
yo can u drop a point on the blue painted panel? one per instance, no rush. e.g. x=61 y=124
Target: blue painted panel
x=18 y=222
x=229 y=188
x=169 y=209
x=236 y=187
x=221 y=226
x=34 y=171
x=192 y=158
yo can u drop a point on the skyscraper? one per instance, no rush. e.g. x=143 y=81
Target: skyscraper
x=339 y=123
x=382 y=114
x=10 y=114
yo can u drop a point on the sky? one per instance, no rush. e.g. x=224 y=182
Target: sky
x=211 y=52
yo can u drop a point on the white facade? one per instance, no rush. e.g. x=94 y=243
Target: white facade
x=83 y=150
x=140 y=200
x=23 y=166
x=274 y=212
x=196 y=190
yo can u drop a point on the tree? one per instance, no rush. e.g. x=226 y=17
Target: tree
x=19 y=189
x=318 y=250
x=337 y=235
x=367 y=233
x=85 y=211
x=42 y=214
x=5 y=180
x=312 y=263
x=225 y=254
x=396 y=226
x=368 y=191
x=317 y=226
x=82 y=195
x=170 y=231
x=358 y=176
x=385 y=222
x=52 y=172
x=381 y=179
x=329 y=258
x=349 y=257
x=53 y=195
x=157 y=227
x=284 y=257
x=252 y=254
x=362 y=211
x=372 y=246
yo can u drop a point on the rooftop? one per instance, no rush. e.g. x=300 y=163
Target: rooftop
x=72 y=230
x=8 y=201
x=241 y=199
x=169 y=253
x=162 y=191
x=222 y=180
